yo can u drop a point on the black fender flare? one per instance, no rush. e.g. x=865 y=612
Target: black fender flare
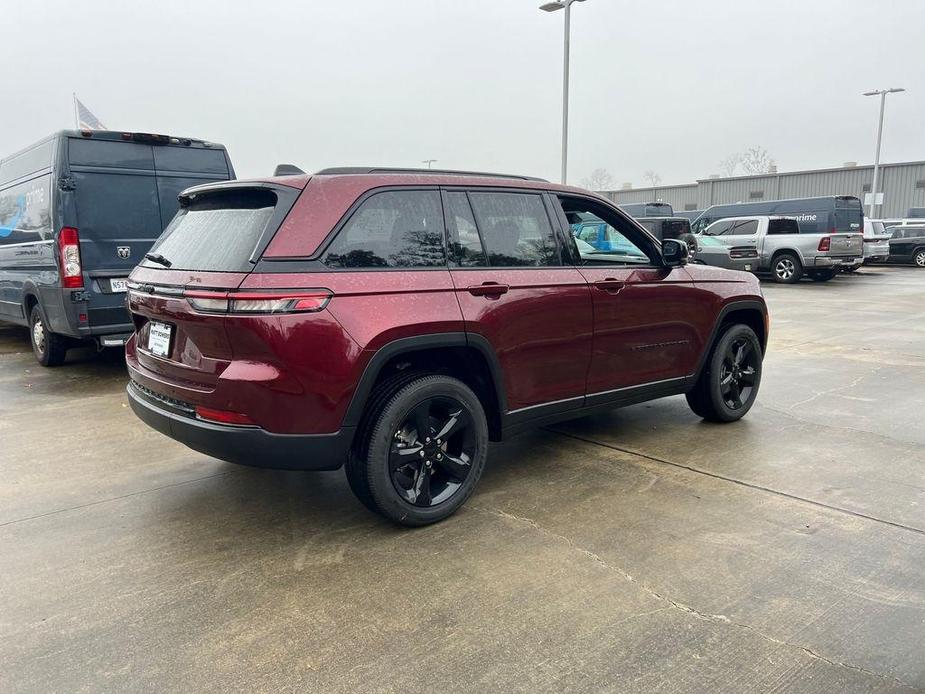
x=734 y=305
x=417 y=343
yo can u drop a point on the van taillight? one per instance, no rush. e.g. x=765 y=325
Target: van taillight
x=293 y=301
x=69 y=258
x=825 y=243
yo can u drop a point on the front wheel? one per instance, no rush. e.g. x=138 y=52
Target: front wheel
x=728 y=384
x=786 y=268
x=422 y=452
x=919 y=257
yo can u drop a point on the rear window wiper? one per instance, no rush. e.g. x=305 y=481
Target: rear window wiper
x=158 y=258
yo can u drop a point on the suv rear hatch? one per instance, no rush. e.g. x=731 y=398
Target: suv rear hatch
x=178 y=295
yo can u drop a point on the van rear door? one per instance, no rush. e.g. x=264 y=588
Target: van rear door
x=117 y=212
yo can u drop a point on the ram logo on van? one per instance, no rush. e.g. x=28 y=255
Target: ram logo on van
x=123 y=252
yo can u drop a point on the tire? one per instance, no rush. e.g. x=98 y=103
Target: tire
x=441 y=472
x=49 y=348
x=822 y=275
x=786 y=268
x=918 y=257
x=721 y=385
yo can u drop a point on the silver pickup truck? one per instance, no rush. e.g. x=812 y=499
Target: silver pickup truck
x=786 y=253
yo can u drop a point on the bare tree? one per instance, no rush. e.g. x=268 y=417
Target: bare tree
x=729 y=165
x=756 y=160
x=600 y=179
x=652 y=178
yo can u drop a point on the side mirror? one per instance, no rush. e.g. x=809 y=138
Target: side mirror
x=674 y=253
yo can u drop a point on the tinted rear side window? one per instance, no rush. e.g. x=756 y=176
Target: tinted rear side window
x=123 y=155
x=218 y=232
x=674 y=228
x=391 y=229
x=745 y=227
x=783 y=226
x=465 y=245
x=515 y=229
x=191 y=159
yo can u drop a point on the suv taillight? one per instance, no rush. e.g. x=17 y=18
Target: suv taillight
x=294 y=301
x=69 y=258
x=825 y=243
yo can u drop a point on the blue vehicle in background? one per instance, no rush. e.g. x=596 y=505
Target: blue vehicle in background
x=603 y=237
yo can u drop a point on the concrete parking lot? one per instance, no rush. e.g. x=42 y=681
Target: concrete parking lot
x=638 y=551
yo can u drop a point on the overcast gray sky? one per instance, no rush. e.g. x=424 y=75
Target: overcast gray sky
x=669 y=85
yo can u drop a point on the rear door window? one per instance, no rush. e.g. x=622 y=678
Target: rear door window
x=218 y=232
x=515 y=229
x=391 y=229
x=465 y=244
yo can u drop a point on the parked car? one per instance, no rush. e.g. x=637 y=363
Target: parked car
x=876 y=241
x=601 y=236
x=690 y=215
x=78 y=210
x=712 y=251
x=785 y=251
x=670 y=228
x=841 y=214
x=648 y=209
x=397 y=321
x=907 y=244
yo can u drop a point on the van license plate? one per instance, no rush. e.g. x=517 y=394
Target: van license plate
x=118 y=286
x=159 y=338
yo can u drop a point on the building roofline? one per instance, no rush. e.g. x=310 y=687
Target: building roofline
x=808 y=171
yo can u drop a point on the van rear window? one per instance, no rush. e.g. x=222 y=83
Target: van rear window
x=218 y=232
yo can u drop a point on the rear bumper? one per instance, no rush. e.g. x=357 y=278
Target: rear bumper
x=836 y=261
x=250 y=446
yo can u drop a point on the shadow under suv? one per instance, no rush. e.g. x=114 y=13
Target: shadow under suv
x=396 y=321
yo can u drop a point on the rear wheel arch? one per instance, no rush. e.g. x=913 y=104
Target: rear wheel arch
x=469 y=358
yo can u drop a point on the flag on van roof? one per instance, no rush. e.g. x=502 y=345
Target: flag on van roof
x=85 y=118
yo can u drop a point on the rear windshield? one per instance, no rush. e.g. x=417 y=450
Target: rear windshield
x=216 y=233
x=849 y=216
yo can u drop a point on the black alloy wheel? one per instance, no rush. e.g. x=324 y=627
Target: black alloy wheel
x=728 y=384
x=432 y=451
x=738 y=372
x=420 y=449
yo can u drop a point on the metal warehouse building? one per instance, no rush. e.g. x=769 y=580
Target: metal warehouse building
x=903 y=186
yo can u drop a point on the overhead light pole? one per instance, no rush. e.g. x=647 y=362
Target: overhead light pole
x=553 y=7
x=882 y=94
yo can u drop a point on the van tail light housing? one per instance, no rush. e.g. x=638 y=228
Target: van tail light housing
x=223 y=416
x=291 y=301
x=825 y=243
x=69 y=258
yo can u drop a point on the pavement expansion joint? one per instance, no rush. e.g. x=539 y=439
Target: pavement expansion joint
x=687 y=609
x=743 y=483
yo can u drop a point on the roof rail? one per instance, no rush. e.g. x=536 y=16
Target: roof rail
x=353 y=170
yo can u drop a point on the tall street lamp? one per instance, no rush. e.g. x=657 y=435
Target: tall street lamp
x=553 y=7
x=882 y=94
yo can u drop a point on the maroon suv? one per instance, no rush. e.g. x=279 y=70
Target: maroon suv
x=397 y=321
